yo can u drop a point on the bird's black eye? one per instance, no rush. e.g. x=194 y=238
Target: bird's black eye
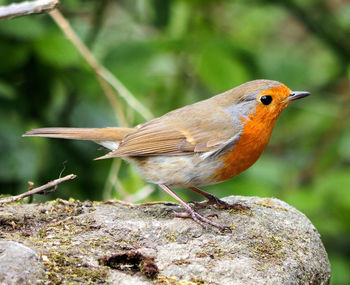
x=266 y=99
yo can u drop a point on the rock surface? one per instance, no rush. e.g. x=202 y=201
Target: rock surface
x=119 y=243
x=19 y=264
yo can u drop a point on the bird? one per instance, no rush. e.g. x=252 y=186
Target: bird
x=201 y=144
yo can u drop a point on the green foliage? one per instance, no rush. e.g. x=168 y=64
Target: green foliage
x=173 y=53
x=220 y=68
x=57 y=51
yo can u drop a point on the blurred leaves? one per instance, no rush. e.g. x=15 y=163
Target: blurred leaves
x=56 y=50
x=6 y=90
x=12 y=56
x=220 y=68
x=173 y=53
x=23 y=28
x=17 y=158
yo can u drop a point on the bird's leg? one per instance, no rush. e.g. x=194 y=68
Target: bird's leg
x=213 y=200
x=190 y=213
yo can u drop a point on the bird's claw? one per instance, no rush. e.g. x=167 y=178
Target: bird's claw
x=220 y=204
x=202 y=220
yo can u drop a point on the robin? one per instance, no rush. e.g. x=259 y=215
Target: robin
x=200 y=144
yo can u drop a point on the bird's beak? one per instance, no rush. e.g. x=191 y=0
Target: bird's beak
x=295 y=95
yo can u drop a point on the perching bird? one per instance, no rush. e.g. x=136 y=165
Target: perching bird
x=200 y=144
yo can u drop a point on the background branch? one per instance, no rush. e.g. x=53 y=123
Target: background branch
x=26 y=8
x=99 y=69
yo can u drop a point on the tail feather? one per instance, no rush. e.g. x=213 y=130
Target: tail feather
x=94 y=134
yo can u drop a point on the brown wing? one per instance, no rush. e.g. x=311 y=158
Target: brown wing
x=173 y=134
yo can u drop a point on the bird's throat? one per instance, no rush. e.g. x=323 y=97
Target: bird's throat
x=251 y=144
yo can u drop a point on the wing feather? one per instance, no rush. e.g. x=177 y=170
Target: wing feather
x=173 y=134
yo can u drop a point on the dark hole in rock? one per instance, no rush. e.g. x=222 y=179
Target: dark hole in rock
x=131 y=261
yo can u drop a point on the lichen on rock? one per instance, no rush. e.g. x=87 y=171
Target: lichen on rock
x=76 y=242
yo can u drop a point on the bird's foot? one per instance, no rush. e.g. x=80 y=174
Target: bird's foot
x=220 y=204
x=190 y=213
x=202 y=220
x=213 y=200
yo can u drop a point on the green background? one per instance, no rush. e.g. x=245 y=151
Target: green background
x=173 y=53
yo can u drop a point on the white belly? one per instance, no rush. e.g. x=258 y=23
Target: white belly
x=177 y=171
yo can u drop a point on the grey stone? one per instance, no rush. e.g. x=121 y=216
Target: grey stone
x=19 y=264
x=273 y=243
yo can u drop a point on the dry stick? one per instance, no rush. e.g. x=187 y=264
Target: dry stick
x=106 y=80
x=67 y=30
x=143 y=193
x=26 y=8
x=113 y=180
x=98 y=68
x=110 y=94
x=113 y=172
x=104 y=77
x=38 y=190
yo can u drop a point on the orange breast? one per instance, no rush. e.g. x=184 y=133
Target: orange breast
x=254 y=139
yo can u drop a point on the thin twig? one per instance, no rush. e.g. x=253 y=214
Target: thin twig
x=27 y=8
x=143 y=193
x=38 y=190
x=106 y=80
x=112 y=180
x=98 y=68
x=110 y=94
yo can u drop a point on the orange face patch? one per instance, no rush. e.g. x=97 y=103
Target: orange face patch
x=280 y=93
x=271 y=112
x=255 y=135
